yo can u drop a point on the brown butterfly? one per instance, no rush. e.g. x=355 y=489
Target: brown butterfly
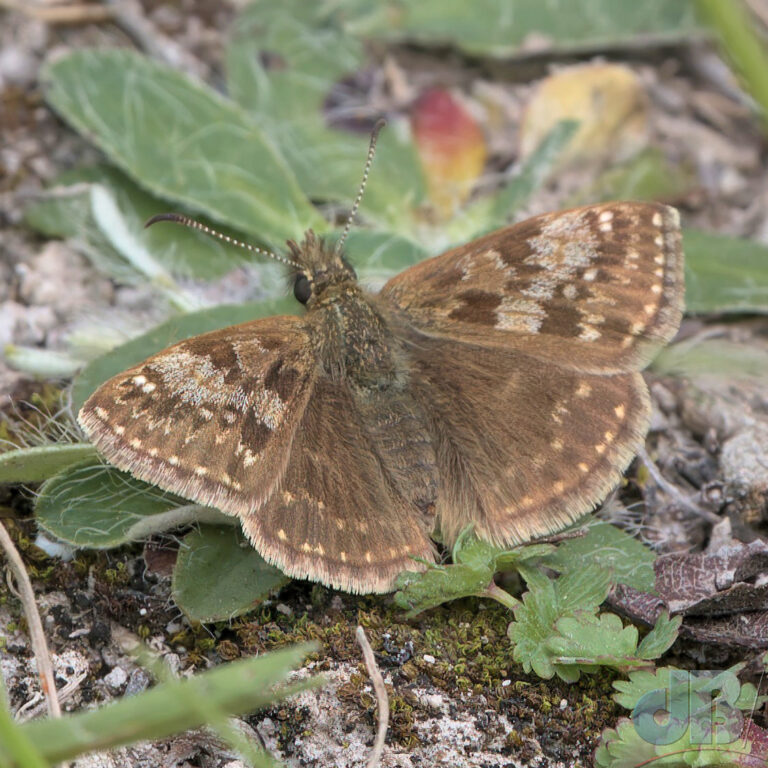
x=496 y=385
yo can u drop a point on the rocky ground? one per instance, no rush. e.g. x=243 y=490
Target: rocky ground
x=457 y=698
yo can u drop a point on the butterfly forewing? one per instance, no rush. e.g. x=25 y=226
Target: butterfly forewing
x=597 y=289
x=210 y=418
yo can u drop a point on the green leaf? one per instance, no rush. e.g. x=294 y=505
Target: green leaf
x=181 y=140
x=661 y=637
x=630 y=561
x=177 y=328
x=546 y=602
x=586 y=639
x=623 y=747
x=504 y=28
x=33 y=465
x=642 y=682
x=724 y=274
x=219 y=575
x=712 y=357
x=475 y=562
x=649 y=175
x=181 y=250
x=418 y=592
x=310 y=54
x=94 y=505
x=532 y=174
x=174 y=706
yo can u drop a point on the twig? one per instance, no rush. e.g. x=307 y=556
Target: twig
x=39 y=645
x=674 y=492
x=76 y=13
x=381 y=698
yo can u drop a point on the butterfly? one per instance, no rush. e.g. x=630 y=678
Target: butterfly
x=496 y=385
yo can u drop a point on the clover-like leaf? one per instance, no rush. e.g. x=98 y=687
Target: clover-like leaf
x=630 y=561
x=661 y=637
x=219 y=575
x=586 y=639
x=545 y=603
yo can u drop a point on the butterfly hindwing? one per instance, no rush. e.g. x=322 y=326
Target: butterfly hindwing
x=597 y=289
x=523 y=447
x=211 y=418
x=337 y=517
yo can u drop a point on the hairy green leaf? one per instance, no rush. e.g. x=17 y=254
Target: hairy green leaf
x=724 y=274
x=205 y=590
x=504 y=28
x=287 y=63
x=33 y=465
x=181 y=140
x=94 y=505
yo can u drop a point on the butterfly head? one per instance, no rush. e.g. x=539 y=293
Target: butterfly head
x=320 y=270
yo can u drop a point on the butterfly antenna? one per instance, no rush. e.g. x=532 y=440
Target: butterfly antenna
x=179 y=218
x=380 y=123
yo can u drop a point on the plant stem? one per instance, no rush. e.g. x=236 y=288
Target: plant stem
x=493 y=590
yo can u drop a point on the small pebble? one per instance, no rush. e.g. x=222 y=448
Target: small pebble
x=429 y=658
x=116 y=679
x=506 y=683
x=563 y=703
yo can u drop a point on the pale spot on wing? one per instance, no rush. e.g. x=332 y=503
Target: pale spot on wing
x=609 y=437
x=306 y=547
x=281 y=534
x=584 y=389
x=619 y=410
x=153 y=452
x=649 y=309
x=368 y=557
x=657 y=219
x=119 y=429
x=201 y=471
x=590 y=275
x=583 y=467
x=343 y=557
x=570 y=291
x=658 y=272
x=140 y=380
x=605 y=216
x=135 y=443
x=173 y=460
x=600 y=448
x=588 y=333
x=656 y=289
x=658 y=241
x=557 y=444
x=100 y=412
x=659 y=258
x=149 y=387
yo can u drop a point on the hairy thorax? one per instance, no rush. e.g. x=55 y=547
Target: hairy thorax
x=358 y=346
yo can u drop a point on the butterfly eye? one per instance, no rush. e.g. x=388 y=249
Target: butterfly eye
x=302 y=289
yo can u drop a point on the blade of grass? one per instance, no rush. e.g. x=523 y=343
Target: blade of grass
x=169 y=708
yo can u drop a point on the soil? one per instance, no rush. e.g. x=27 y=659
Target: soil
x=456 y=696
